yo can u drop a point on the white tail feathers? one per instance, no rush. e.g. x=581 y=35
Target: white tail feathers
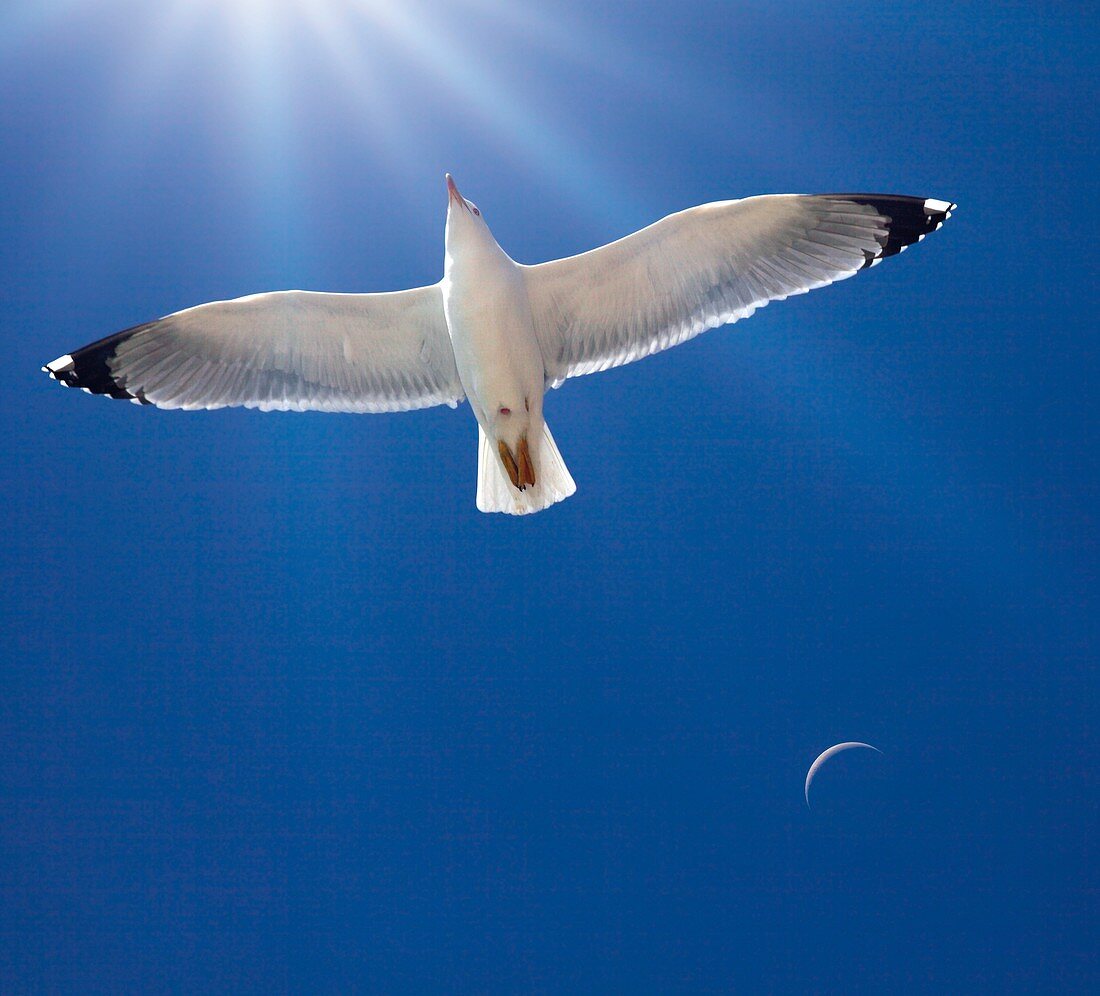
x=495 y=492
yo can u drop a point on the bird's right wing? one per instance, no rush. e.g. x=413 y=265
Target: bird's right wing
x=288 y=350
x=707 y=266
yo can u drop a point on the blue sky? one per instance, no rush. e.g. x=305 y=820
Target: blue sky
x=280 y=710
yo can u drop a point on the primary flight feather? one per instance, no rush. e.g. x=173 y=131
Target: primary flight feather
x=497 y=332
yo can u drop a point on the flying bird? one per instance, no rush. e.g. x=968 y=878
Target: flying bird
x=498 y=333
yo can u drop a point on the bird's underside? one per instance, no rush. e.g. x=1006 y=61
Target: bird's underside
x=692 y=271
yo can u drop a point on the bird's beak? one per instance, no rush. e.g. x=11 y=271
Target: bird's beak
x=452 y=191
x=521 y=471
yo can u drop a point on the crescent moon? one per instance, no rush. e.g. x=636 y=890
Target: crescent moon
x=825 y=755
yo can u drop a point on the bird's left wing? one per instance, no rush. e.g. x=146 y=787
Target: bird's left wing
x=707 y=266
x=288 y=350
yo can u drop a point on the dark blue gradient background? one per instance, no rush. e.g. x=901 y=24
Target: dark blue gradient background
x=279 y=710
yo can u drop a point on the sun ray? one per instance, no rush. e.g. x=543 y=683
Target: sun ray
x=472 y=96
x=350 y=58
x=528 y=129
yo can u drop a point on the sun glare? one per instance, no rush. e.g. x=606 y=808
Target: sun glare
x=397 y=71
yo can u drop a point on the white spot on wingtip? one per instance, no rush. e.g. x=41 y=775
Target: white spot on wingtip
x=933 y=206
x=60 y=365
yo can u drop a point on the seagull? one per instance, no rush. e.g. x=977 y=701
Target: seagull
x=498 y=333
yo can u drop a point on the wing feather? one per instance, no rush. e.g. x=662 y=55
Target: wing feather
x=709 y=266
x=288 y=350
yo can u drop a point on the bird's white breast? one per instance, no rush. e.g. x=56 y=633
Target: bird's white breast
x=489 y=321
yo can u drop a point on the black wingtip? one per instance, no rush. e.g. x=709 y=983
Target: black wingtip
x=909 y=219
x=88 y=368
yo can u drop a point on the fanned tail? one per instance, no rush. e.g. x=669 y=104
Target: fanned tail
x=495 y=493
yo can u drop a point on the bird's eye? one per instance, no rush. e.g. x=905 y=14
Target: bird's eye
x=477 y=212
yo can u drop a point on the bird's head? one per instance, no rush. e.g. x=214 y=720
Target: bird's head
x=465 y=225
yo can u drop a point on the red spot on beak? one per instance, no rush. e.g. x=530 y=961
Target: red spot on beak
x=506 y=411
x=452 y=191
x=454 y=195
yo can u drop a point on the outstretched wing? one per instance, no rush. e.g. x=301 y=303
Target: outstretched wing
x=707 y=266
x=289 y=350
